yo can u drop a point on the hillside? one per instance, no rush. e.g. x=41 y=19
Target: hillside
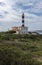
x=20 y=49
x=38 y=31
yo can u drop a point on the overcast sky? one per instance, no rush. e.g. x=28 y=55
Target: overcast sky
x=11 y=11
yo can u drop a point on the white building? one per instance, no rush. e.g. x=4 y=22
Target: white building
x=23 y=30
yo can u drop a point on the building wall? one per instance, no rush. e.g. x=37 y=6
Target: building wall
x=20 y=30
x=23 y=30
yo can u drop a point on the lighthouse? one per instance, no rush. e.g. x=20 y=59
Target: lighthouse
x=23 y=28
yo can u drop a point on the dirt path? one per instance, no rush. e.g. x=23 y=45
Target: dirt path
x=38 y=59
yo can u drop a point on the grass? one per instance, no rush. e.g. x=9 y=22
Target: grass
x=23 y=46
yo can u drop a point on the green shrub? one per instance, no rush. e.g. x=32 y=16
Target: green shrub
x=14 y=56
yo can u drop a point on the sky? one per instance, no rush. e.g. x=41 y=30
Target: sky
x=11 y=12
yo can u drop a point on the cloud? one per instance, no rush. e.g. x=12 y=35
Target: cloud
x=11 y=11
x=1 y=16
x=2 y=4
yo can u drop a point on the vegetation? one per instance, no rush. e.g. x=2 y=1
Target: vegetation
x=20 y=49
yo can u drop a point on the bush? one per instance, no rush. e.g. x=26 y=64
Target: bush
x=13 y=56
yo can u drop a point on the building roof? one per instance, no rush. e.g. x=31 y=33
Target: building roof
x=18 y=28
